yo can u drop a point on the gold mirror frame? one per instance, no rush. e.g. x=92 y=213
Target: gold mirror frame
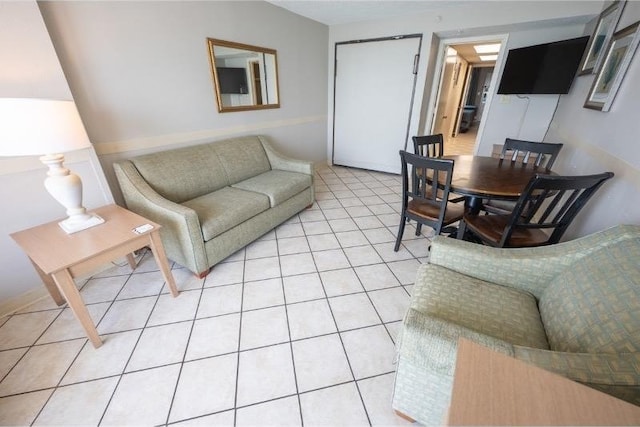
x=257 y=90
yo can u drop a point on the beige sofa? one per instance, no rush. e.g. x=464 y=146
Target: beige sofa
x=213 y=199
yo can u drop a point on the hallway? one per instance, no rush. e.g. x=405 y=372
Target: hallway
x=464 y=143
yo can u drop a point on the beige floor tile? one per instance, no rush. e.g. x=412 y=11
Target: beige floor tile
x=24 y=329
x=205 y=386
x=22 y=409
x=214 y=336
x=220 y=300
x=41 y=367
x=109 y=359
x=9 y=358
x=224 y=419
x=310 y=319
x=353 y=311
x=160 y=345
x=351 y=238
x=102 y=289
x=226 y=273
x=262 y=293
x=171 y=309
x=362 y=255
x=142 y=285
x=376 y=277
x=391 y=304
x=292 y=245
x=143 y=398
x=262 y=249
x=333 y=406
x=303 y=287
x=67 y=327
x=370 y=351
x=297 y=264
x=279 y=412
x=405 y=271
x=322 y=242
x=332 y=259
x=262 y=268
x=126 y=315
x=263 y=327
x=265 y=374
x=320 y=362
x=78 y=404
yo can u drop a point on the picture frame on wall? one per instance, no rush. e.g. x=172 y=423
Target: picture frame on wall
x=617 y=58
x=605 y=27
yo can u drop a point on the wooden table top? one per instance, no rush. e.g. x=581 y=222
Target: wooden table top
x=491 y=177
x=491 y=388
x=53 y=250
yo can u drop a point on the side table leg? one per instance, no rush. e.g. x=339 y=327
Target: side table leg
x=50 y=284
x=132 y=261
x=161 y=259
x=68 y=288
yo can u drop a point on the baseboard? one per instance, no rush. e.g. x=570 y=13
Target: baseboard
x=23 y=300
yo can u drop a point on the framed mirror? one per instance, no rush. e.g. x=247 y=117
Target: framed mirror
x=245 y=77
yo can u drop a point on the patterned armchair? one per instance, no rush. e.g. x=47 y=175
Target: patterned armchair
x=571 y=308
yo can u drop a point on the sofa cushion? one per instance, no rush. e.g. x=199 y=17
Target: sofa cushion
x=242 y=158
x=504 y=313
x=277 y=185
x=224 y=209
x=594 y=305
x=184 y=173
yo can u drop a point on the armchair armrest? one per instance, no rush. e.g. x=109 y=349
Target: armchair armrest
x=529 y=269
x=281 y=162
x=617 y=374
x=181 y=233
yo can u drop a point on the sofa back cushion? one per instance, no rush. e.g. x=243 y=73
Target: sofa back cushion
x=184 y=173
x=241 y=158
x=594 y=305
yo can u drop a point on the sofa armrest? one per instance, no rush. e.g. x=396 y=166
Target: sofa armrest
x=181 y=226
x=617 y=374
x=281 y=162
x=529 y=269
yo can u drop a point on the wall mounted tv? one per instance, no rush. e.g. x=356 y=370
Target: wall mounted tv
x=542 y=69
x=232 y=80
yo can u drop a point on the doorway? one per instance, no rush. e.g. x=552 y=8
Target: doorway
x=465 y=83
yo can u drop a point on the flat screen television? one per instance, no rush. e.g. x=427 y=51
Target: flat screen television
x=542 y=69
x=232 y=80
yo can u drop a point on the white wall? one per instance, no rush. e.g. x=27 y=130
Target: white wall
x=30 y=68
x=465 y=20
x=596 y=141
x=140 y=74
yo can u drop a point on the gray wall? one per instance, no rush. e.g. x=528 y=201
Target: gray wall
x=140 y=74
x=598 y=141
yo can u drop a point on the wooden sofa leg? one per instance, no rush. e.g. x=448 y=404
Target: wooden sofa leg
x=203 y=274
x=309 y=206
x=404 y=417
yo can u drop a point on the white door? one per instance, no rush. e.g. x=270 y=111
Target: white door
x=374 y=85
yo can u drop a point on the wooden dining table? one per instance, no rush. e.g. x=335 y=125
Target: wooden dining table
x=478 y=178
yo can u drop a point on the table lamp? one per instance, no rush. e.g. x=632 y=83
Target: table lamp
x=48 y=128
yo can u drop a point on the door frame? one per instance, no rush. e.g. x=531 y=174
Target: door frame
x=416 y=64
x=437 y=80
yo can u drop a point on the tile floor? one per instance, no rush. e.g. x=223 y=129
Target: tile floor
x=298 y=327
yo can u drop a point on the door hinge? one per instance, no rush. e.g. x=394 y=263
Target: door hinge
x=416 y=60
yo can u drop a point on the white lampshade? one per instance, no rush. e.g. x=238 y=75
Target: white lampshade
x=48 y=128
x=30 y=127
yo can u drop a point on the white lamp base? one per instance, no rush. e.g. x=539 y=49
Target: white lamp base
x=72 y=225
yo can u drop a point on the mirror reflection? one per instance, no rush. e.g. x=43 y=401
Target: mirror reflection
x=245 y=77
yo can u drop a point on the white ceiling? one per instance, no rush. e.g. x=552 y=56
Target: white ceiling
x=333 y=12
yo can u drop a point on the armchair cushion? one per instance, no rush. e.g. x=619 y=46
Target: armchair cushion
x=224 y=209
x=277 y=185
x=594 y=306
x=504 y=313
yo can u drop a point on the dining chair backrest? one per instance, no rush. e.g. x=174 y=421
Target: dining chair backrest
x=551 y=202
x=545 y=153
x=429 y=189
x=429 y=145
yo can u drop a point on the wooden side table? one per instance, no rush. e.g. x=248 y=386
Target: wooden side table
x=490 y=388
x=59 y=257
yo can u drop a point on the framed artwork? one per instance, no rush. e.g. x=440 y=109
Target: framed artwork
x=599 y=40
x=616 y=61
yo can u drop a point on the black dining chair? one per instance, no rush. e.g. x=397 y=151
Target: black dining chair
x=541 y=215
x=424 y=197
x=429 y=145
x=541 y=154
